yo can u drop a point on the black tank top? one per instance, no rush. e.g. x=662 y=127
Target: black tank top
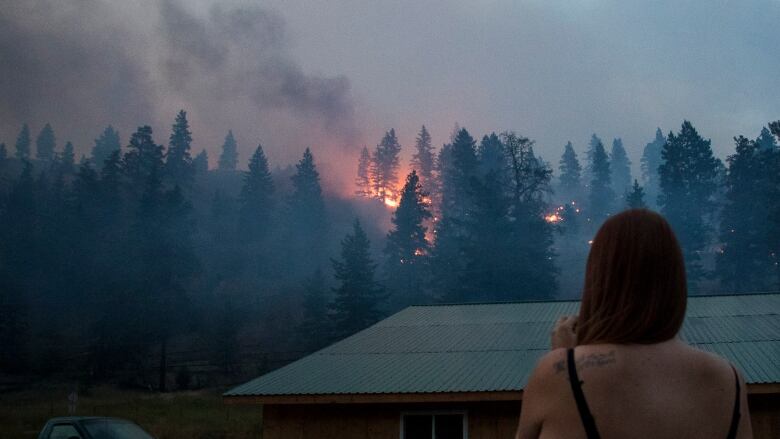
x=587 y=418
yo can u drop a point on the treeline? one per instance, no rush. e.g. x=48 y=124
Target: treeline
x=141 y=249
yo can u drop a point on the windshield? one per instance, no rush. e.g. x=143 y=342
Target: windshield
x=114 y=429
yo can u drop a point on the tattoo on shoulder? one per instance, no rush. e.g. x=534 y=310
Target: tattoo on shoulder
x=590 y=360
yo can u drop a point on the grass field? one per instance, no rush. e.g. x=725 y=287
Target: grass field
x=196 y=414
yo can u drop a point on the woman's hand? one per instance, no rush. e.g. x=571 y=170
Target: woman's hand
x=564 y=333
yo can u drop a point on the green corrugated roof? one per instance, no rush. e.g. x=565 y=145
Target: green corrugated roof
x=494 y=347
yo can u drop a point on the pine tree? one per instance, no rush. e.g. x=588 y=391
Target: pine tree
x=229 y=157
x=407 y=247
x=529 y=185
x=23 y=143
x=635 y=199
x=457 y=167
x=68 y=158
x=45 y=144
x=314 y=329
x=491 y=155
x=307 y=223
x=651 y=160
x=178 y=162
x=744 y=261
x=358 y=296
x=688 y=180
x=774 y=128
x=200 y=164
x=571 y=174
x=601 y=196
x=105 y=145
x=423 y=160
x=256 y=198
x=765 y=141
x=143 y=158
x=306 y=200
x=363 y=181
x=620 y=167
x=385 y=166
x=3 y=153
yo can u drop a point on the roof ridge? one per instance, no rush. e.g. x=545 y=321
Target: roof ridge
x=508 y=302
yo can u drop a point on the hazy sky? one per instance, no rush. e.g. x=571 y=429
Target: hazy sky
x=335 y=74
x=555 y=70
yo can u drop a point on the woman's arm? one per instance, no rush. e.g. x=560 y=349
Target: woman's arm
x=538 y=395
x=537 y=391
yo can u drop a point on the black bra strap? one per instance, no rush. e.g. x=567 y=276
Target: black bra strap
x=736 y=414
x=582 y=406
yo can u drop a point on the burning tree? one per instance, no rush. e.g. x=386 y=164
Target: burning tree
x=385 y=167
x=363 y=180
x=423 y=161
x=407 y=248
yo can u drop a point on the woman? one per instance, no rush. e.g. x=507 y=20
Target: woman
x=632 y=376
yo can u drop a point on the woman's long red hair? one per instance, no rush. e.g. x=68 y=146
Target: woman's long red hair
x=635 y=288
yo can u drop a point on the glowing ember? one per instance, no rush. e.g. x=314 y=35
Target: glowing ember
x=418 y=252
x=552 y=218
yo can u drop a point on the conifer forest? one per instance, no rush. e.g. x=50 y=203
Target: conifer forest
x=194 y=193
x=141 y=250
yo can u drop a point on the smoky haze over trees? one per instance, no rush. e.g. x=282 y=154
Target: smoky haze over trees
x=230 y=64
x=141 y=259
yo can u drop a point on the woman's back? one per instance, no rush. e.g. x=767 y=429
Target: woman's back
x=661 y=390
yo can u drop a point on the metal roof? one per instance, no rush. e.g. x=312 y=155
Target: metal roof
x=494 y=347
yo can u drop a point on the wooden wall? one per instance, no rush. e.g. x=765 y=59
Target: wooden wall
x=765 y=415
x=487 y=420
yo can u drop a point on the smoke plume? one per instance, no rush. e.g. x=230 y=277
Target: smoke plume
x=84 y=64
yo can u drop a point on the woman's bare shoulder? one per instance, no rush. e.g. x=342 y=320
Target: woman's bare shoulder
x=554 y=363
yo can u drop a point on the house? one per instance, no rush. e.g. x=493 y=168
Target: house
x=460 y=369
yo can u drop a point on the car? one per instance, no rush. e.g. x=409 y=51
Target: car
x=91 y=427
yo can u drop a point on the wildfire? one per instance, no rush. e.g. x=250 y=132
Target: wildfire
x=389 y=202
x=555 y=216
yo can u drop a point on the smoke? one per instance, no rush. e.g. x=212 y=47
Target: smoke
x=83 y=64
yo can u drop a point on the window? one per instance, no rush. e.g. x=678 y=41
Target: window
x=434 y=425
x=64 y=431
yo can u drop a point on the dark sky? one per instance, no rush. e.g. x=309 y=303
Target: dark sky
x=335 y=74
